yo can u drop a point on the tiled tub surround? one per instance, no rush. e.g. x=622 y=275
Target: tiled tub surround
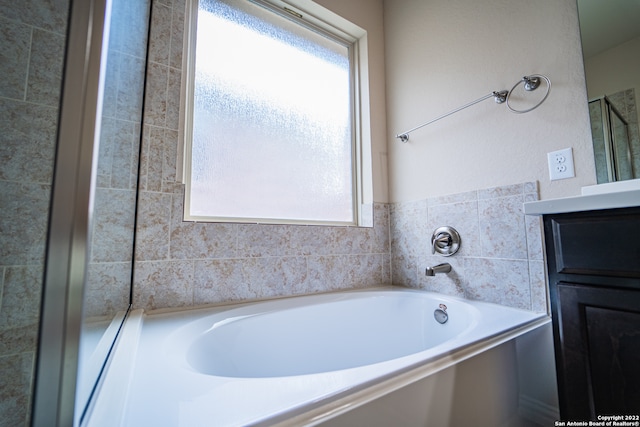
x=185 y=263
x=500 y=258
x=32 y=41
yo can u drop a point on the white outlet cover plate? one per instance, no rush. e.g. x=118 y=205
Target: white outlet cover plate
x=561 y=164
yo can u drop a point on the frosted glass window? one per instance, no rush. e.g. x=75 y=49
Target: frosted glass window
x=272 y=119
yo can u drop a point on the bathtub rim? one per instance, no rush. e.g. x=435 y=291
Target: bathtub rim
x=346 y=400
x=111 y=401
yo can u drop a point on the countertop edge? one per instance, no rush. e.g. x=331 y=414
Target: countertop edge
x=614 y=200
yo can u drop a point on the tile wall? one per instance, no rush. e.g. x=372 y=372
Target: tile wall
x=500 y=259
x=32 y=41
x=185 y=263
x=211 y=263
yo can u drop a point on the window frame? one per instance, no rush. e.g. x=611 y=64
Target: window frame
x=331 y=25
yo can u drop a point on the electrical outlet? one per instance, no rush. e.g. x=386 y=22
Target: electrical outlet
x=561 y=164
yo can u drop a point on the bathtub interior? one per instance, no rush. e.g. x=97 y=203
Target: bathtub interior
x=323 y=336
x=164 y=386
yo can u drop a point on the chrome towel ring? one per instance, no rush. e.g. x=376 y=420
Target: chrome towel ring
x=530 y=83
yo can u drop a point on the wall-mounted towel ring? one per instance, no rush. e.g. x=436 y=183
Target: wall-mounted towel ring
x=530 y=83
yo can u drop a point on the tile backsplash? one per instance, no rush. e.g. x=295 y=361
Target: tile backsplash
x=500 y=259
x=187 y=263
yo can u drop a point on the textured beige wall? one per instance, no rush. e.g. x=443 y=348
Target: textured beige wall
x=614 y=70
x=441 y=54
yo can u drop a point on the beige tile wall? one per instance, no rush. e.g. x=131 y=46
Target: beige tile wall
x=32 y=37
x=184 y=263
x=500 y=259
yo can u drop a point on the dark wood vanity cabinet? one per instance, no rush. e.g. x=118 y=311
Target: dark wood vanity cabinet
x=593 y=261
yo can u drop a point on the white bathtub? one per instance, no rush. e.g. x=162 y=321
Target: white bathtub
x=295 y=361
x=320 y=334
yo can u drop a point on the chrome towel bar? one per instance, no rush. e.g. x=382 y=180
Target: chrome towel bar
x=530 y=83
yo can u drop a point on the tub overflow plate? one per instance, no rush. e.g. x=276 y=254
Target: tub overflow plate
x=441 y=316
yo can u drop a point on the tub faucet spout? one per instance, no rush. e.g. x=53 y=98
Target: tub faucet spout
x=440 y=268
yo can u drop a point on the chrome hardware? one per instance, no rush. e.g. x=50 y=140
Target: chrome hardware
x=530 y=83
x=445 y=240
x=440 y=268
x=440 y=315
x=500 y=96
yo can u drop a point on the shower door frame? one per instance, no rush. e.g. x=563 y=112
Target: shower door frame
x=70 y=214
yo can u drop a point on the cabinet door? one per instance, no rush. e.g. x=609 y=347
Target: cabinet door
x=598 y=351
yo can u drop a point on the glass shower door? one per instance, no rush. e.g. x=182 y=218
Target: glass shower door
x=611 y=145
x=107 y=290
x=620 y=142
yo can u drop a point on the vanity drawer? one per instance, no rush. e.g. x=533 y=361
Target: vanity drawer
x=604 y=243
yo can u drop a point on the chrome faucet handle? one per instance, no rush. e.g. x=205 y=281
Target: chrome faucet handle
x=445 y=241
x=442 y=241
